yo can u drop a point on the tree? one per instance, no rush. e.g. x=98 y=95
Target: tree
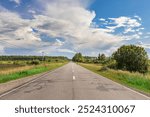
x=101 y=58
x=89 y=59
x=132 y=58
x=78 y=57
x=31 y=58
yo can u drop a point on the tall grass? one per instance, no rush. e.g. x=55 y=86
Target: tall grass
x=12 y=69
x=27 y=71
x=136 y=81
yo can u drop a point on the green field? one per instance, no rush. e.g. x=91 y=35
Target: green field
x=135 y=81
x=15 y=67
x=10 y=72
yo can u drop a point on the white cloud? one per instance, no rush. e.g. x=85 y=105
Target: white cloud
x=140 y=33
x=102 y=19
x=125 y=22
x=69 y=20
x=27 y=34
x=130 y=37
x=139 y=18
x=58 y=43
x=127 y=28
x=140 y=43
x=16 y=1
x=66 y=50
x=32 y=11
x=146 y=37
x=1 y=49
x=16 y=28
x=139 y=29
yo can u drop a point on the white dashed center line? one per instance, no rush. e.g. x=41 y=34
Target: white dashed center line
x=74 y=78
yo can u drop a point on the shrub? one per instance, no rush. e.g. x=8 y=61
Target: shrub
x=16 y=62
x=105 y=68
x=35 y=62
x=132 y=58
x=112 y=64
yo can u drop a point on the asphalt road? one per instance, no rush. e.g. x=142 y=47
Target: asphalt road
x=72 y=82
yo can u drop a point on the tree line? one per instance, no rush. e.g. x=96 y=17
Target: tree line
x=128 y=57
x=30 y=58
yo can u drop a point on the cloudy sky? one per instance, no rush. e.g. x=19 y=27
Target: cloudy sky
x=64 y=27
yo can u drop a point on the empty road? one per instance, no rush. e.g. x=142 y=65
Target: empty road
x=72 y=82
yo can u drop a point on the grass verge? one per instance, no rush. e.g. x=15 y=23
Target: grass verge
x=35 y=70
x=135 y=81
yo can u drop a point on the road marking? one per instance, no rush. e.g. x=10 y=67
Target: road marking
x=74 y=78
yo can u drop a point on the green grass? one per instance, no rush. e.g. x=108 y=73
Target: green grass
x=135 y=81
x=36 y=70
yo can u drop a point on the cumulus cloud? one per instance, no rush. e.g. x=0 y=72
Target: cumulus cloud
x=67 y=26
x=127 y=27
x=70 y=20
x=67 y=19
x=126 y=22
x=15 y=30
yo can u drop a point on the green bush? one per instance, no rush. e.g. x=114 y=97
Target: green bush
x=35 y=62
x=16 y=62
x=112 y=64
x=105 y=68
x=132 y=58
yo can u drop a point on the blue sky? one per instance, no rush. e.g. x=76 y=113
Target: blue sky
x=118 y=8
x=64 y=27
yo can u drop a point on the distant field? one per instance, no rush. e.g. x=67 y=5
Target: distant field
x=10 y=72
x=9 y=66
x=136 y=81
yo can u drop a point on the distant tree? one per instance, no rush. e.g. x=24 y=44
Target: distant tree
x=131 y=58
x=89 y=59
x=101 y=58
x=78 y=57
x=35 y=62
x=31 y=58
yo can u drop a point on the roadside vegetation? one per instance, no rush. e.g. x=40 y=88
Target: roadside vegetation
x=15 y=67
x=129 y=66
x=135 y=80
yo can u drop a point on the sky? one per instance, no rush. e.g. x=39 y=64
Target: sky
x=65 y=27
